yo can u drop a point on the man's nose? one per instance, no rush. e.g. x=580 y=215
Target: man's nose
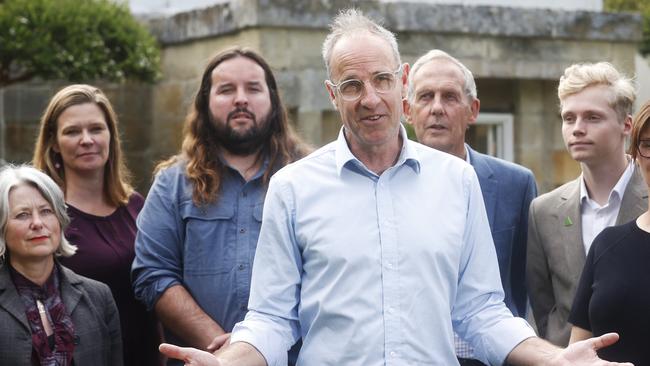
x=369 y=97
x=241 y=97
x=436 y=105
x=579 y=127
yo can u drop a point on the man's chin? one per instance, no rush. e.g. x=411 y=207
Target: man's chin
x=240 y=130
x=436 y=143
x=582 y=158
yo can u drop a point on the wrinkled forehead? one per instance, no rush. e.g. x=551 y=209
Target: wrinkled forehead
x=438 y=71
x=29 y=190
x=362 y=53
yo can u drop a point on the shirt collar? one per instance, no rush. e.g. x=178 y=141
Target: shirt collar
x=467 y=158
x=257 y=175
x=344 y=158
x=23 y=283
x=618 y=189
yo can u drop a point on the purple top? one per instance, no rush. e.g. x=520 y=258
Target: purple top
x=105 y=252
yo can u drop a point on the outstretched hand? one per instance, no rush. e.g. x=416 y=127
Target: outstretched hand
x=191 y=356
x=584 y=352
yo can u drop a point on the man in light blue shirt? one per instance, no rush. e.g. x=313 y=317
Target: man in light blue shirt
x=374 y=248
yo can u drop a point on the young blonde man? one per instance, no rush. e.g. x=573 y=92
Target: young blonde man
x=595 y=105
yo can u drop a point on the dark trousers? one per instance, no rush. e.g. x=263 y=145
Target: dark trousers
x=470 y=362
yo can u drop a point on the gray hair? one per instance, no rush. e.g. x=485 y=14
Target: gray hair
x=12 y=176
x=470 y=85
x=350 y=22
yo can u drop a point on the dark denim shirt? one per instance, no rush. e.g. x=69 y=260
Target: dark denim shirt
x=207 y=249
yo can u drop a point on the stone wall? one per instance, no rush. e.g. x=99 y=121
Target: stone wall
x=517 y=56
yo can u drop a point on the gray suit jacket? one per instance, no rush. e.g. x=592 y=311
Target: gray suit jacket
x=556 y=254
x=93 y=312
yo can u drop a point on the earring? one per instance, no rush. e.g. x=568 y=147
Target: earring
x=57 y=160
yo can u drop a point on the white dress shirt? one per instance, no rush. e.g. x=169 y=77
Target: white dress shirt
x=596 y=217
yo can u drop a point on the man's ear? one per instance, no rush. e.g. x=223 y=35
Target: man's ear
x=406 y=107
x=475 y=107
x=331 y=94
x=405 y=77
x=627 y=125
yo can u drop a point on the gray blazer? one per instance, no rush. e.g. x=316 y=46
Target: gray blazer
x=556 y=254
x=93 y=312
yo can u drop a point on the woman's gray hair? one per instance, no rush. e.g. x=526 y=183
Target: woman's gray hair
x=469 y=87
x=12 y=176
x=350 y=22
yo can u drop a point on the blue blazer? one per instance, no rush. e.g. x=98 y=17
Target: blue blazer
x=507 y=190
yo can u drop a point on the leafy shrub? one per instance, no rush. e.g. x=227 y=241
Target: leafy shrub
x=74 y=40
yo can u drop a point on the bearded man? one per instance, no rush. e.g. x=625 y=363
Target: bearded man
x=198 y=230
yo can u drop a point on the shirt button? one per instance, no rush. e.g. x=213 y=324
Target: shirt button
x=241 y=267
x=242 y=230
x=389 y=264
x=393 y=353
x=391 y=310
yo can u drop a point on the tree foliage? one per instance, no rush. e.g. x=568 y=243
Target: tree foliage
x=74 y=40
x=641 y=6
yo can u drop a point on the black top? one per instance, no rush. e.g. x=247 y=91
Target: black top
x=614 y=293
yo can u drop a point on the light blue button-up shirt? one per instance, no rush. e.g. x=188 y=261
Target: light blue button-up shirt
x=377 y=270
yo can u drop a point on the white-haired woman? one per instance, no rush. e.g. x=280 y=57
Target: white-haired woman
x=48 y=314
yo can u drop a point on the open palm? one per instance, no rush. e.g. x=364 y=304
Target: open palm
x=583 y=353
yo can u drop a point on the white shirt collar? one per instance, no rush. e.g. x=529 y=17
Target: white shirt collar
x=467 y=158
x=618 y=189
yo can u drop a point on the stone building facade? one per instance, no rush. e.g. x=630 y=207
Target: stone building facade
x=516 y=54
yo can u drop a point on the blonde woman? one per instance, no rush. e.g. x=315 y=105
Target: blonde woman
x=79 y=147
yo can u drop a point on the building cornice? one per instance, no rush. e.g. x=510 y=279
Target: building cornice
x=494 y=21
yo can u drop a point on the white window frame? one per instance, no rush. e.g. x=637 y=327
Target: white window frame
x=501 y=137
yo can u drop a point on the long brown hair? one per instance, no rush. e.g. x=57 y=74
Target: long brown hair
x=117 y=186
x=200 y=152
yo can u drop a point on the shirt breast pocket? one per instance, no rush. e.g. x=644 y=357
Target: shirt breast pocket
x=209 y=245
